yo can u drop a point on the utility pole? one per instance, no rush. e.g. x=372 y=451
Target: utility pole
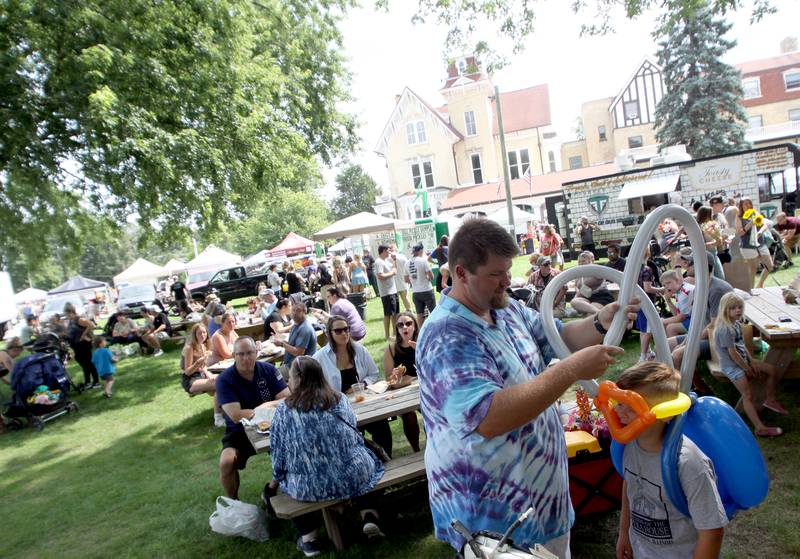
x=506 y=174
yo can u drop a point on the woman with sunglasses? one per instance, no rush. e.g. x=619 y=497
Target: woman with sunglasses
x=403 y=352
x=347 y=362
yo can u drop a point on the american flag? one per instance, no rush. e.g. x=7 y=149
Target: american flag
x=528 y=176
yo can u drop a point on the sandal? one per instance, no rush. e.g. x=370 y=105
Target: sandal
x=770 y=432
x=776 y=407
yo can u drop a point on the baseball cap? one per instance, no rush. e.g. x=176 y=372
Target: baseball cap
x=686 y=254
x=266 y=292
x=417 y=247
x=543 y=260
x=715 y=200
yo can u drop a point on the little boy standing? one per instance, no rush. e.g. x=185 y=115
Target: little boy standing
x=650 y=525
x=103 y=361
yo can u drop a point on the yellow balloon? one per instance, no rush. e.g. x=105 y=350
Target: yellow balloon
x=672 y=407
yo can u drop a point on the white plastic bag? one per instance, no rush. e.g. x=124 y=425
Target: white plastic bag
x=235 y=518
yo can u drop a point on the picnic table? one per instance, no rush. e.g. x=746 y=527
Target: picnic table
x=268 y=354
x=374 y=408
x=764 y=310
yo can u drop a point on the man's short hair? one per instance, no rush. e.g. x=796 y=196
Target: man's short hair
x=696 y=206
x=715 y=200
x=475 y=240
x=780 y=215
x=381 y=248
x=334 y=291
x=242 y=339
x=613 y=246
x=651 y=379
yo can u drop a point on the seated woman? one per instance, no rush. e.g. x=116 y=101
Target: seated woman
x=342 y=468
x=345 y=363
x=591 y=294
x=195 y=378
x=126 y=331
x=7 y=357
x=223 y=339
x=399 y=360
x=279 y=320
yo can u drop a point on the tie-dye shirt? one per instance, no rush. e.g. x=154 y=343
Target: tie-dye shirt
x=487 y=483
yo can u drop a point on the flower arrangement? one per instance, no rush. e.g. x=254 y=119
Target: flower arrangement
x=585 y=417
x=758 y=219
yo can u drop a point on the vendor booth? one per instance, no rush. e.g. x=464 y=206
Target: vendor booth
x=140 y=272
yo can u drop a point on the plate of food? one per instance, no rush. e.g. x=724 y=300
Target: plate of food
x=262 y=427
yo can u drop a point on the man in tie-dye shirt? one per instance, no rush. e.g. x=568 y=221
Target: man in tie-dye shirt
x=495 y=443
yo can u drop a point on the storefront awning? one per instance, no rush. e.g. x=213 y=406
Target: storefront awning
x=648 y=187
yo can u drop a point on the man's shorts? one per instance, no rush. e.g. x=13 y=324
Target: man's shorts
x=391 y=304
x=704 y=352
x=686 y=322
x=423 y=300
x=238 y=441
x=763 y=250
x=162 y=335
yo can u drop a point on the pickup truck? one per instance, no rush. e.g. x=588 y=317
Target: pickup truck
x=229 y=284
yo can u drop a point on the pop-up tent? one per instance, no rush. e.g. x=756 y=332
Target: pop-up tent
x=290 y=245
x=140 y=272
x=358 y=224
x=211 y=260
x=78 y=283
x=521 y=218
x=30 y=295
x=174 y=266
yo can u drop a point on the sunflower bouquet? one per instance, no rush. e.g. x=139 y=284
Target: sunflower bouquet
x=758 y=219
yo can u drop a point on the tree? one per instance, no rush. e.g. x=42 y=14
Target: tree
x=356 y=192
x=180 y=112
x=702 y=103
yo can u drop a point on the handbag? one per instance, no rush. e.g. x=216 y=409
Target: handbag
x=371 y=445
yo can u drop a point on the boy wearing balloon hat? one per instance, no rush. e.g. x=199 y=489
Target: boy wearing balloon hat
x=650 y=525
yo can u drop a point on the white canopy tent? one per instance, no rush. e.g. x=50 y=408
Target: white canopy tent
x=140 y=272
x=211 y=260
x=359 y=224
x=341 y=247
x=648 y=187
x=174 y=266
x=521 y=219
x=30 y=295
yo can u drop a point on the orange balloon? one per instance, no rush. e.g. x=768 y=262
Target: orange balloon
x=644 y=417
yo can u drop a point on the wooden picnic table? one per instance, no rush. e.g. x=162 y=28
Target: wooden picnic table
x=763 y=310
x=374 y=408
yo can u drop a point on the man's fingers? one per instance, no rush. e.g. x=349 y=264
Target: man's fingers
x=613 y=350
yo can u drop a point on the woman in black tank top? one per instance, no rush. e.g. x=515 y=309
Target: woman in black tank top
x=398 y=360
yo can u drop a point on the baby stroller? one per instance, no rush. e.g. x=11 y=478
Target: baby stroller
x=41 y=385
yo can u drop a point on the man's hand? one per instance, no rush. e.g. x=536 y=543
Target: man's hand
x=592 y=362
x=624 y=549
x=607 y=313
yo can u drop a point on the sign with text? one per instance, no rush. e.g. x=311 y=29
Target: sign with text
x=712 y=175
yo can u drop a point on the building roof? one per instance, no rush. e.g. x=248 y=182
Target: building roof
x=780 y=61
x=523 y=109
x=455 y=78
x=541 y=185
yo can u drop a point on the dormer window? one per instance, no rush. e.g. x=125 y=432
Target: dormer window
x=415 y=133
x=631 y=109
x=462 y=67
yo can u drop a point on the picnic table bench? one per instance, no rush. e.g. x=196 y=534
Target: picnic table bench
x=397 y=471
x=764 y=310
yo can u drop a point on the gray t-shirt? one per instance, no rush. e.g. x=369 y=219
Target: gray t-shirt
x=586 y=233
x=417 y=269
x=399 y=278
x=716 y=289
x=726 y=337
x=385 y=286
x=658 y=530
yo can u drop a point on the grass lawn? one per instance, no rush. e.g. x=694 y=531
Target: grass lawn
x=136 y=476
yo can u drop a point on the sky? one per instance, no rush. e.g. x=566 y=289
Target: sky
x=386 y=53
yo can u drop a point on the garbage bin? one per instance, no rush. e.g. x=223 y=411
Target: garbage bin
x=359 y=300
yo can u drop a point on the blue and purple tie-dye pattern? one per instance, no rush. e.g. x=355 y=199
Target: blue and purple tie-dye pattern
x=488 y=483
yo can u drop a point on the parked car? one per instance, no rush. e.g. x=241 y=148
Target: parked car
x=132 y=299
x=230 y=283
x=55 y=305
x=198 y=280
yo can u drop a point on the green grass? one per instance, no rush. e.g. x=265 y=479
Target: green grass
x=136 y=476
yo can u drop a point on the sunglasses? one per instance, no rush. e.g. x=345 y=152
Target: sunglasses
x=408 y=324
x=340 y=330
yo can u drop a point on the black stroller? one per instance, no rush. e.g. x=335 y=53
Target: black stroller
x=43 y=368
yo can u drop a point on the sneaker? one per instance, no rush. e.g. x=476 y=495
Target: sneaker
x=158 y=352
x=91 y=386
x=219 y=420
x=651 y=355
x=309 y=549
x=107 y=395
x=776 y=407
x=371 y=528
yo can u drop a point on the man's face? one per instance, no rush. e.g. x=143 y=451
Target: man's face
x=545 y=268
x=613 y=255
x=584 y=221
x=717 y=207
x=298 y=314
x=781 y=219
x=384 y=254
x=486 y=288
x=244 y=355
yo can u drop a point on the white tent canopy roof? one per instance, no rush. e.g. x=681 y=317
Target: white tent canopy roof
x=141 y=271
x=647 y=187
x=174 y=265
x=29 y=295
x=211 y=260
x=500 y=215
x=359 y=224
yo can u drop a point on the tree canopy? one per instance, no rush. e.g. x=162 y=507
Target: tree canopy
x=181 y=112
x=355 y=192
x=701 y=107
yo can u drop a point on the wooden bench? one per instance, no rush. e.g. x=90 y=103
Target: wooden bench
x=398 y=471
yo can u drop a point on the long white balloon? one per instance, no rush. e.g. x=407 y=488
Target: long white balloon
x=628 y=283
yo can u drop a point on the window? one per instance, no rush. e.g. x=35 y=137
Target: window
x=631 y=109
x=794 y=115
x=635 y=142
x=755 y=122
x=415 y=133
x=752 y=88
x=770 y=186
x=469 y=121
x=462 y=66
x=420 y=170
x=601 y=133
x=643 y=205
x=575 y=162
x=477 y=174
x=518 y=163
x=551 y=159
x=549 y=135
x=791 y=79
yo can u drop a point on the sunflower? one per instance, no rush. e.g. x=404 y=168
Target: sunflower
x=748 y=213
x=758 y=220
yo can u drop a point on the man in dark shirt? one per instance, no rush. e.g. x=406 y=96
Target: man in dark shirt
x=585 y=233
x=614 y=259
x=179 y=291
x=369 y=262
x=247 y=385
x=789 y=228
